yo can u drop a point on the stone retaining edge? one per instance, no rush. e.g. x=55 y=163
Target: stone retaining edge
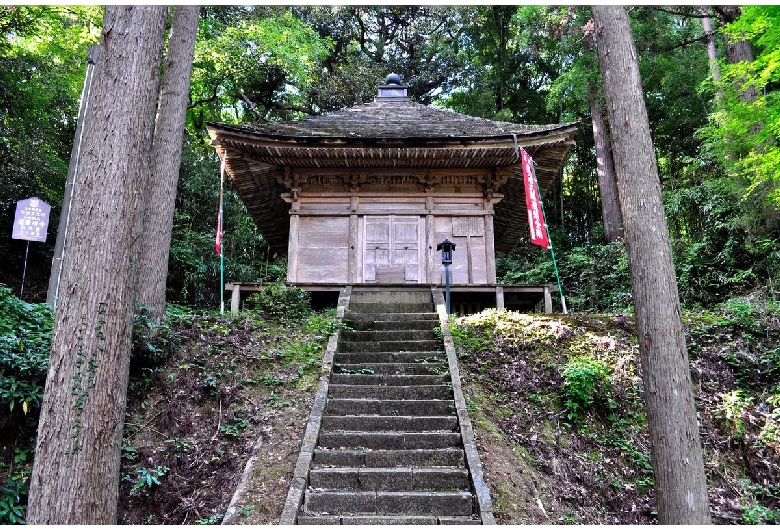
x=467 y=432
x=301 y=474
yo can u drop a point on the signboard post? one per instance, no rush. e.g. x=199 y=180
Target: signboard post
x=31 y=222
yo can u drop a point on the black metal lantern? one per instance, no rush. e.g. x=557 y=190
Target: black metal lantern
x=446 y=248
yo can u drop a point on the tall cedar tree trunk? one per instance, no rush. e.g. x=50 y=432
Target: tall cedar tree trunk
x=166 y=159
x=605 y=169
x=711 y=52
x=680 y=482
x=75 y=476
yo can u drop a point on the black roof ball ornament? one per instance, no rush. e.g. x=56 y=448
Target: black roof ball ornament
x=393 y=79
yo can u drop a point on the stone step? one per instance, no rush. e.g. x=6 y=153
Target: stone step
x=353 y=317
x=390 y=423
x=400 y=307
x=458 y=503
x=391 y=357
x=416 y=392
x=391 y=368
x=447 y=456
x=386 y=294
x=390 y=407
x=389 y=440
x=390 y=479
x=391 y=345
x=396 y=335
x=386 y=519
x=391 y=325
x=388 y=379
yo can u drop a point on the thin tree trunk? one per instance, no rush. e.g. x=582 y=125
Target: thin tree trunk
x=680 y=482
x=605 y=169
x=75 y=476
x=711 y=53
x=166 y=159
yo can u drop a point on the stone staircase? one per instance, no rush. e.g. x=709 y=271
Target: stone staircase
x=389 y=448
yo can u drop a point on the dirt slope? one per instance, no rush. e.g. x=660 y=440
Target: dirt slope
x=554 y=449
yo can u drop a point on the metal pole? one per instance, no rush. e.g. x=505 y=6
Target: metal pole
x=447 y=280
x=24 y=270
x=62 y=232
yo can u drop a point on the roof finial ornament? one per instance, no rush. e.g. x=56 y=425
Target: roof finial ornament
x=392 y=90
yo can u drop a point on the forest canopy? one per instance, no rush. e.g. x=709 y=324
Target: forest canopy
x=714 y=125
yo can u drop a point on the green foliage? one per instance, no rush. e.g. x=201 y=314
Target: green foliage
x=153 y=342
x=586 y=379
x=12 y=498
x=281 y=301
x=757 y=514
x=743 y=131
x=213 y=519
x=148 y=478
x=257 y=65
x=237 y=424
x=594 y=276
x=25 y=343
x=716 y=253
x=42 y=66
x=732 y=407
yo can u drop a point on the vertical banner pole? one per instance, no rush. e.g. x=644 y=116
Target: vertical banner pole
x=220 y=247
x=552 y=252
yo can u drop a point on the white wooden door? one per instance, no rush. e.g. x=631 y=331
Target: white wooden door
x=392 y=242
x=377 y=246
x=406 y=246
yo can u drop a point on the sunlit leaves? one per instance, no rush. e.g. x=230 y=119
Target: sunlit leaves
x=744 y=134
x=258 y=68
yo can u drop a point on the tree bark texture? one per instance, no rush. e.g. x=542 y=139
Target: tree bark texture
x=605 y=169
x=166 y=158
x=680 y=482
x=75 y=477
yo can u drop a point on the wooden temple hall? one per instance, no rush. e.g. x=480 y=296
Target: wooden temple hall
x=362 y=196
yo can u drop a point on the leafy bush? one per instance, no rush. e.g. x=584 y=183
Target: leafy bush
x=148 y=478
x=153 y=342
x=594 y=277
x=281 y=301
x=586 y=379
x=25 y=343
x=12 y=498
x=731 y=408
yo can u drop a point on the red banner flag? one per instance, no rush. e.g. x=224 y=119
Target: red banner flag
x=218 y=245
x=534 y=204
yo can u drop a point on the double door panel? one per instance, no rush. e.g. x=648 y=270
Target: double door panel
x=392 y=248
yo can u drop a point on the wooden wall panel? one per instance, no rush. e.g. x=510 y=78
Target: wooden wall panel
x=323 y=250
x=469 y=260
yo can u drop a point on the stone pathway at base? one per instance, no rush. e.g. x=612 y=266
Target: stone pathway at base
x=389 y=447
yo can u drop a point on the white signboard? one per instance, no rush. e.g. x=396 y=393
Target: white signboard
x=31 y=220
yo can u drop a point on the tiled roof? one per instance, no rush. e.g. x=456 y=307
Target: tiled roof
x=396 y=120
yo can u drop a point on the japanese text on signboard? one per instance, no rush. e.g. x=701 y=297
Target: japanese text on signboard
x=31 y=220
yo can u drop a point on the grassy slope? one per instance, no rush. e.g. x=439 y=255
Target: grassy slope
x=557 y=450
